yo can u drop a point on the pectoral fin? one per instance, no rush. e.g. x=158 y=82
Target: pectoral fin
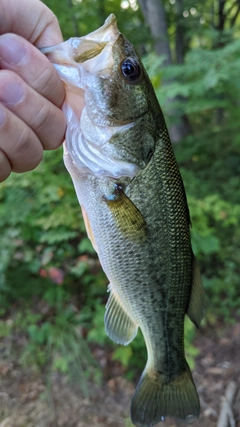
x=196 y=306
x=128 y=218
x=118 y=324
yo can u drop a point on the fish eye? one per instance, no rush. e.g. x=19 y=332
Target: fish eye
x=130 y=69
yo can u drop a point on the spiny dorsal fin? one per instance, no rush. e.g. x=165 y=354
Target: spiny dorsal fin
x=118 y=324
x=196 y=306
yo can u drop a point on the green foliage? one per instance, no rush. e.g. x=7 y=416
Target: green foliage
x=78 y=18
x=128 y=422
x=133 y=357
x=190 y=350
x=58 y=343
x=54 y=337
x=6 y=328
x=210 y=174
x=203 y=89
x=46 y=265
x=97 y=332
x=123 y=354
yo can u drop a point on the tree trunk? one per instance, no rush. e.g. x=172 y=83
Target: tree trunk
x=183 y=128
x=221 y=15
x=220 y=28
x=155 y=16
x=179 y=38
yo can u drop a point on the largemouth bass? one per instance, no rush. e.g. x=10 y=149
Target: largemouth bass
x=120 y=158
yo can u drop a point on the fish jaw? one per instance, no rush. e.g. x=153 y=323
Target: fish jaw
x=107 y=32
x=67 y=56
x=81 y=63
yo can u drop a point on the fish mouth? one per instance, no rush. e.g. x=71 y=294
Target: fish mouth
x=79 y=62
x=88 y=50
x=79 y=57
x=82 y=49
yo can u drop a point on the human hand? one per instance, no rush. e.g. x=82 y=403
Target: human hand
x=31 y=92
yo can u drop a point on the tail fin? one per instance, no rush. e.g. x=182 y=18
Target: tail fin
x=155 y=399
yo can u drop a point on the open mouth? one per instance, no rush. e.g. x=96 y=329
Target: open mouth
x=80 y=62
x=81 y=49
x=79 y=56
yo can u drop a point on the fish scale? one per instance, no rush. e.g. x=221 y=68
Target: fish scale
x=120 y=158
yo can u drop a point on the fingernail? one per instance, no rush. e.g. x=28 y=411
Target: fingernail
x=12 y=50
x=11 y=93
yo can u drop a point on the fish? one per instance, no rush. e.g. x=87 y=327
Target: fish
x=121 y=161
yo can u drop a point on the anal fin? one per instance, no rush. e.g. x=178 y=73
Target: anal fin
x=118 y=324
x=196 y=308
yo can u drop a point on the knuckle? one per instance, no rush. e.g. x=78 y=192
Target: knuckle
x=52 y=20
x=42 y=118
x=47 y=82
x=58 y=135
x=23 y=142
x=43 y=81
x=49 y=125
x=27 y=151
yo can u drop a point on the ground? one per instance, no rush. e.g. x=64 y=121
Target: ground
x=26 y=402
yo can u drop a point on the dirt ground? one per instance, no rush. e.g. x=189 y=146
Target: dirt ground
x=22 y=403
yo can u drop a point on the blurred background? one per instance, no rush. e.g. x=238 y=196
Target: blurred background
x=57 y=366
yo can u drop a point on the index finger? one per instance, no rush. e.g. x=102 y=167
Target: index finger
x=31 y=20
